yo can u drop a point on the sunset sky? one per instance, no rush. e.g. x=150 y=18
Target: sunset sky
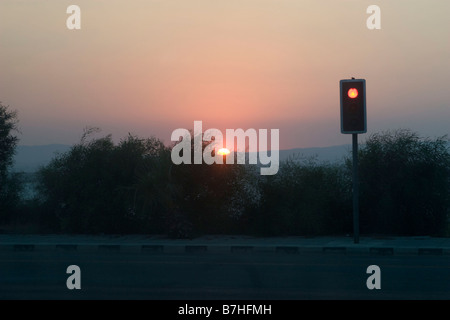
x=150 y=67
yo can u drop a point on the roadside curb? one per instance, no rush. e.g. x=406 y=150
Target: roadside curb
x=222 y=249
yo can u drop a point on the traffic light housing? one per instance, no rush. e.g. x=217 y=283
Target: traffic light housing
x=353 y=106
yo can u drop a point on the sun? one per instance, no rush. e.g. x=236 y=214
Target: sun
x=223 y=151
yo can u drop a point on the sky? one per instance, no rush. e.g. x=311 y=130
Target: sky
x=148 y=67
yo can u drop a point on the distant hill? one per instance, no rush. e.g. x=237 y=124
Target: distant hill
x=324 y=154
x=31 y=158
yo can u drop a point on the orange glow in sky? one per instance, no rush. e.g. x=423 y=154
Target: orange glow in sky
x=150 y=67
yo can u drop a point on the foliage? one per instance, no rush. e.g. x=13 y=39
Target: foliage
x=133 y=187
x=90 y=189
x=405 y=184
x=203 y=197
x=10 y=186
x=304 y=198
x=8 y=142
x=10 y=197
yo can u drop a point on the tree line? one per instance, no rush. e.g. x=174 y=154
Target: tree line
x=102 y=187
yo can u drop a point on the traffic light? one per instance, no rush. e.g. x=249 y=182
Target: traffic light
x=353 y=106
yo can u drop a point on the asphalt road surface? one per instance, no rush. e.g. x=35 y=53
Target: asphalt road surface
x=199 y=276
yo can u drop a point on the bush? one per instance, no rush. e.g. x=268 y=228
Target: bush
x=206 y=197
x=98 y=187
x=10 y=197
x=133 y=187
x=304 y=198
x=91 y=188
x=404 y=184
x=10 y=184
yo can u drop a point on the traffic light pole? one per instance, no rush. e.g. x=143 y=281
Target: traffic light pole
x=354 y=121
x=355 y=189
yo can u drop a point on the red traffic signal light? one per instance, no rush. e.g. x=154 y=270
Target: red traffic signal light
x=353 y=106
x=352 y=93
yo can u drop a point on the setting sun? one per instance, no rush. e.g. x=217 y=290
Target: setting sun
x=223 y=151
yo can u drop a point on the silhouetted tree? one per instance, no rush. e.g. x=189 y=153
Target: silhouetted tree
x=91 y=188
x=8 y=141
x=405 y=184
x=133 y=186
x=10 y=185
x=305 y=197
x=204 y=196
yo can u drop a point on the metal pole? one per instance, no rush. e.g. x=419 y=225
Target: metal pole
x=355 y=189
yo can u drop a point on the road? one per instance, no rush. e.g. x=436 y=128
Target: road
x=199 y=276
